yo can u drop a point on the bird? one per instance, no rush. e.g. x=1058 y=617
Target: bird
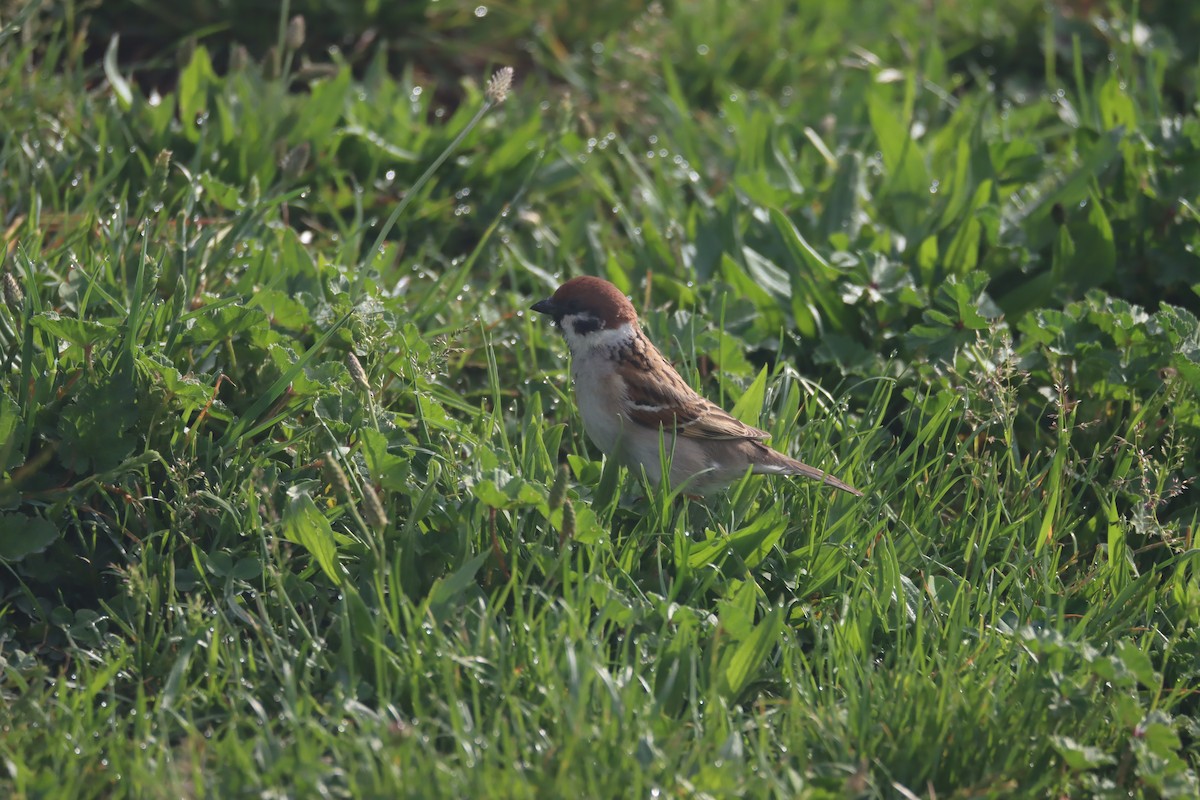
x=633 y=402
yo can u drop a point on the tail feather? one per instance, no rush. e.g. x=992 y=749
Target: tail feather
x=790 y=466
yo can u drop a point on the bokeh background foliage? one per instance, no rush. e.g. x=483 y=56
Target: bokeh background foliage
x=294 y=499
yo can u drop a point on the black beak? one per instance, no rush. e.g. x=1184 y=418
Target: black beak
x=546 y=306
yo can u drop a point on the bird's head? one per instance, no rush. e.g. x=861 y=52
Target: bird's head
x=591 y=312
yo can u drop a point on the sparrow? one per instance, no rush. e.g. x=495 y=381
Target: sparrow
x=632 y=401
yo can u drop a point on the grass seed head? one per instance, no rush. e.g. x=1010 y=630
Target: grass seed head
x=568 y=522
x=558 y=492
x=357 y=372
x=239 y=58
x=13 y=296
x=337 y=476
x=295 y=33
x=499 y=85
x=162 y=170
x=374 y=508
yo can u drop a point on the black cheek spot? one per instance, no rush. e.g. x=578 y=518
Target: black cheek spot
x=587 y=324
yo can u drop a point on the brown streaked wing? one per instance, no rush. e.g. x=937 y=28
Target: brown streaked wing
x=675 y=406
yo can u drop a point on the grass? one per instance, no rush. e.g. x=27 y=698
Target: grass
x=295 y=501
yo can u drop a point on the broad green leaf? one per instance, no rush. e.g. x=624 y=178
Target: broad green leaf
x=389 y=470
x=230 y=321
x=842 y=213
x=447 y=592
x=22 y=535
x=749 y=406
x=1029 y=294
x=177 y=676
x=588 y=529
x=10 y=428
x=1062 y=256
x=112 y=72
x=226 y=196
x=284 y=310
x=746 y=286
x=81 y=332
x=728 y=353
x=1053 y=494
x=805 y=255
x=736 y=612
x=962 y=255
x=816 y=301
x=1138 y=663
x=766 y=275
x=490 y=495
x=194 y=82
x=1070 y=190
x=743 y=668
x=305 y=525
x=751 y=544
x=958 y=187
x=1117 y=108
x=99 y=429
x=1094 y=260
x=185 y=389
x=321 y=114
x=245 y=424
x=433 y=413
x=1079 y=756
x=908 y=179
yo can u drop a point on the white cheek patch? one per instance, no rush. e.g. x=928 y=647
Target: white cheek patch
x=584 y=334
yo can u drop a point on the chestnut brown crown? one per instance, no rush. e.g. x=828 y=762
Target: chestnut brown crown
x=588 y=297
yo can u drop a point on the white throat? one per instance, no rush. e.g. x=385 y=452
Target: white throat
x=585 y=339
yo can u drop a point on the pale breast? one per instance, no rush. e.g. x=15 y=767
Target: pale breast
x=599 y=395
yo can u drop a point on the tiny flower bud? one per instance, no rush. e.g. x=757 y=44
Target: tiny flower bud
x=239 y=58
x=337 y=477
x=13 y=295
x=271 y=64
x=375 y=513
x=558 y=492
x=295 y=33
x=499 y=86
x=158 y=178
x=568 y=522
x=357 y=372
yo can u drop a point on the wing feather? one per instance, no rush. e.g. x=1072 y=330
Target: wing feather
x=669 y=403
